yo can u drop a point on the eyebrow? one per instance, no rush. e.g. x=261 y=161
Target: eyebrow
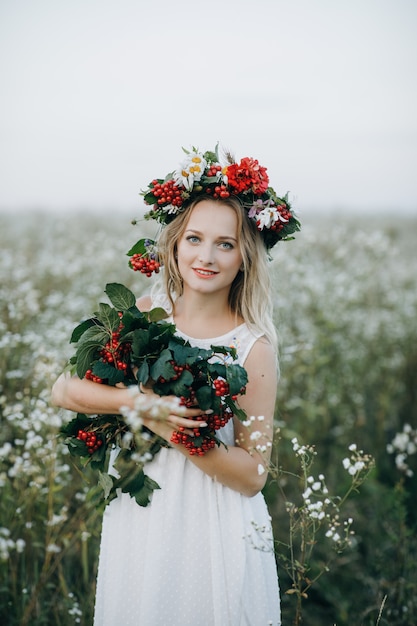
x=197 y=232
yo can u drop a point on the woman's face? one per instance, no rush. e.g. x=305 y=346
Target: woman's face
x=209 y=257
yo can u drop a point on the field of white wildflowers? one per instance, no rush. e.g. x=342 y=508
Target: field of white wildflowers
x=342 y=486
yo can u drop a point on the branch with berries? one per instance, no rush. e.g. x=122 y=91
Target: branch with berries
x=122 y=345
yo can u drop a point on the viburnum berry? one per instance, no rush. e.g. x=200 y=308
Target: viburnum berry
x=221 y=387
x=167 y=193
x=144 y=264
x=218 y=191
x=90 y=376
x=193 y=448
x=91 y=440
x=190 y=401
x=116 y=353
x=213 y=170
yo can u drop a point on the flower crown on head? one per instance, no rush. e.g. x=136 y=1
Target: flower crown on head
x=202 y=175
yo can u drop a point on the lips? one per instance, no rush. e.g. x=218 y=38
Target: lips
x=204 y=273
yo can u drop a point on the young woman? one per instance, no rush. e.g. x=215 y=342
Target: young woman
x=201 y=554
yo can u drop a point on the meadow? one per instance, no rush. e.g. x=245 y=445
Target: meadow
x=345 y=294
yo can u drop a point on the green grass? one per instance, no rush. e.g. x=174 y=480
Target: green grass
x=346 y=307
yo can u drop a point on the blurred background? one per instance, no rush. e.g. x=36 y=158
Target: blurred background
x=97 y=98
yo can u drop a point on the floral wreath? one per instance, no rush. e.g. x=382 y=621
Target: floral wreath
x=202 y=175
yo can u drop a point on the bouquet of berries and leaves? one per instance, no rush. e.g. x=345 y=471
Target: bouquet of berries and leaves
x=120 y=345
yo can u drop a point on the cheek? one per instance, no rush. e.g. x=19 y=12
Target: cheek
x=183 y=257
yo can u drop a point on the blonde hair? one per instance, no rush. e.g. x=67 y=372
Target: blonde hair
x=250 y=293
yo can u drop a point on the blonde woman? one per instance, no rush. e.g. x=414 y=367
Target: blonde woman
x=202 y=552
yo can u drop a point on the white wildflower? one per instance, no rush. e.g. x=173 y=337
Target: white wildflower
x=190 y=170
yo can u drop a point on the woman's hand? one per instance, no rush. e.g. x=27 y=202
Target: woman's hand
x=166 y=415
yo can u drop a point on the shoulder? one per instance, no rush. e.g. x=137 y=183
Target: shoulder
x=262 y=358
x=262 y=349
x=144 y=303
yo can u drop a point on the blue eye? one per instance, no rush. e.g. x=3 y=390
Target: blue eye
x=193 y=239
x=227 y=245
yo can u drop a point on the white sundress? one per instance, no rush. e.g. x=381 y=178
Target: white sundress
x=201 y=554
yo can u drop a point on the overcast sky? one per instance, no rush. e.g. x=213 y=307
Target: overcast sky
x=98 y=96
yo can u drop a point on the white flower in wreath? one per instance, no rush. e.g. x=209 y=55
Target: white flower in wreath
x=190 y=170
x=267 y=217
x=170 y=209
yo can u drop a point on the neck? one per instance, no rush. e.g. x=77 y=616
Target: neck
x=204 y=315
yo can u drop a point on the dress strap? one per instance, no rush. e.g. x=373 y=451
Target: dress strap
x=243 y=339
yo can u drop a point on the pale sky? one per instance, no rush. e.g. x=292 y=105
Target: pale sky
x=97 y=98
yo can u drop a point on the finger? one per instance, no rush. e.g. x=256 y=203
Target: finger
x=194 y=412
x=183 y=422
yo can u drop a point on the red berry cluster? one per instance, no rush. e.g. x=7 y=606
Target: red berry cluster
x=179 y=437
x=178 y=369
x=191 y=401
x=203 y=439
x=91 y=440
x=219 y=191
x=90 y=376
x=214 y=422
x=115 y=352
x=221 y=386
x=167 y=193
x=143 y=263
x=213 y=170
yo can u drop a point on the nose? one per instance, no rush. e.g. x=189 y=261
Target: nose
x=206 y=254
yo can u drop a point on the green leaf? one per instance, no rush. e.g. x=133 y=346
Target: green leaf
x=157 y=314
x=108 y=372
x=106 y=482
x=87 y=354
x=161 y=333
x=179 y=387
x=98 y=458
x=217 y=369
x=77 y=423
x=81 y=328
x=240 y=413
x=120 y=296
x=183 y=353
x=204 y=397
x=138 y=248
x=162 y=366
x=137 y=485
x=108 y=317
x=76 y=447
x=95 y=334
x=133 y=320
x=237 y=378
x=140 y=344
x=149 y=198
x=143 y=496
x=225 y=350
x=142 y=374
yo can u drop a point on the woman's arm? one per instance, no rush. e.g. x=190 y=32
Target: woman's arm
x=238 y=466
x=85 y=396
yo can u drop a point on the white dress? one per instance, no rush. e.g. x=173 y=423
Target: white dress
x=201 y=554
